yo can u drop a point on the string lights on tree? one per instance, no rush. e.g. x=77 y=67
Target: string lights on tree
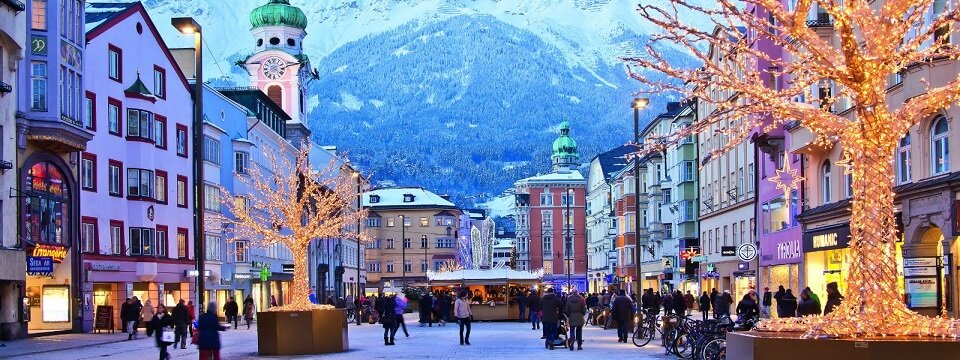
x=292 y=204
x=843 y=67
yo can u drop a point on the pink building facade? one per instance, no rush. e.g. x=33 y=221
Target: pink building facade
x=136 y=217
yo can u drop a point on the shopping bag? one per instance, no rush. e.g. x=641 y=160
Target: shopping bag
x=167 y=335
x=195 y=339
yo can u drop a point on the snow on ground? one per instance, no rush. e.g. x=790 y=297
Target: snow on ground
x=502 y=205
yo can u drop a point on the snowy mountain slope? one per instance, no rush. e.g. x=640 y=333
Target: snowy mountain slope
x=461 y=96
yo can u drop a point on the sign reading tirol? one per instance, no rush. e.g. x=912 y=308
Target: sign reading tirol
x=828 y=238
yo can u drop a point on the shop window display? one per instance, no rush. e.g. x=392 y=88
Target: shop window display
x=46 y=208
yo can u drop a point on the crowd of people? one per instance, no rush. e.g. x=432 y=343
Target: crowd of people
x=181 y=323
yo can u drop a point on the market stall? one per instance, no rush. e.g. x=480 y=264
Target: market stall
x=494 y=292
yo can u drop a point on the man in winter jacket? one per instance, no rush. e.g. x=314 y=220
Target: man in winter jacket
x=181 y=317
x=833 y=298
x=133 y=317
x=623 y=313
x=787 y=306
x=522 y=303
x=552 y=306
x=767 y=301
x=650 y=302
x=533 y=306
x=426 y=307
x=721 y=307
x=232 y=311
x=125 y=314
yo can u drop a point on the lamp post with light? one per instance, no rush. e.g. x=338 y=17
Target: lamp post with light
x=637 y=105
x=187 y=25
x=356 y=296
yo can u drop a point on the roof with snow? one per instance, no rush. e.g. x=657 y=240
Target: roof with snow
x=557 y=176
x=99 y=13
x=613 y=160
x=405 y=198
x=485 y=276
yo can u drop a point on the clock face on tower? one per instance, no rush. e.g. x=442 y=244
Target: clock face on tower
x=273 y=68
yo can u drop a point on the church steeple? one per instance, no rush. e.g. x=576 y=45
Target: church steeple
x=565 y=152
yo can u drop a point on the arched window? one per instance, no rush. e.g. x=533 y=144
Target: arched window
x=825 y=182
x=903 y=160
x=940 y=145
x=46 y=205
x=848 y=183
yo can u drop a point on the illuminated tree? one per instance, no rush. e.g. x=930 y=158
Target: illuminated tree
x=292 y=204
x=869 y=41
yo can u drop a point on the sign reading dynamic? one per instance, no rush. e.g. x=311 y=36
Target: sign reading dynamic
x=57 y=253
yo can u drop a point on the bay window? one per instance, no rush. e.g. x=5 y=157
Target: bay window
x=140 y=183
x=140 y=125
x=141 y=241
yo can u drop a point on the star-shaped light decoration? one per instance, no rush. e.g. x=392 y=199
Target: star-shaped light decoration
x=787 y=179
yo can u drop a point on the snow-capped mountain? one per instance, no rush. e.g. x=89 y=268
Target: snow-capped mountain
x=461 y=96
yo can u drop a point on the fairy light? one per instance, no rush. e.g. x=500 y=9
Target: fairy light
x=866 y=44
x=292 y=204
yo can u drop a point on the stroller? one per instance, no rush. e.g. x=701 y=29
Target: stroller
x=562 y=330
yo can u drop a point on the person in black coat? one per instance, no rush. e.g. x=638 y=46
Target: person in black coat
x=747 y=308
x=713 y=300
x=208 y=325
x=833 y=298
x=704 y=305
x=426 y=307
x=552 y=306
x=133 y=317
x=522 y=304
x=446 y=305
x=388 y=318
x=125 y=314
x=679 y=304
x=180 y=319
x=807 y=306
x=721 y=306
x=787 y=305
x=766 y=302
x=778 y=296
x=623 y=312
x=533 y=306
x=650 y=302
x=161 y=323
x=232 y=311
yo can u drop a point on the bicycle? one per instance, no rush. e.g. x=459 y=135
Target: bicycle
x=647 y=329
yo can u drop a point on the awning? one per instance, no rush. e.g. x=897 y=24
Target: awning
x=443 y=257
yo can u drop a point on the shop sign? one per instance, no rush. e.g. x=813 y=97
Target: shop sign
x=700 y=259
x=39 y=265
x=788 y=250
x=241 y=276
x=104 y=267
x=264 y=274
x=919 y=271
x=259 y=264
x=689 y=254
x=56 y=252
x=711 y=268
x=728 y=251
x=287 y=268
x=919 y=262
x=747 y=252
x=667 y=262
x=835 y=237
x=194 y=273
x=921 y=292
x=743 y=266
x=225 y=282
x=38 y=45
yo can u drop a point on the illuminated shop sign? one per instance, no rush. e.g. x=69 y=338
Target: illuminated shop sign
x=834 y=237
x=58 y=253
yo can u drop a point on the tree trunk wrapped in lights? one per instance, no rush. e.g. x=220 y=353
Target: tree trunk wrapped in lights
x=875 y=39
x=291 y=204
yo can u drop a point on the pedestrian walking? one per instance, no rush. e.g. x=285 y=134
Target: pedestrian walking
x=721 y=306
x=767 y=302
x=690 y=301
x=461 y=310
x=232 y=311
x=125 y=314
x=445 y=304
x=807 y=306
x=132 y=318
x=778 y=296
x=679 y=303
x=713 y=301
x=401 y=301
x=181 y=320
x=533 y=306
x=704 y=305
x=747 y=308
x=522 y=303
x=273 y=300
x=248 y=311
x=148 y=313
x=426 y=308
x=351 y=305
x=191 y=316
x=551 y=306
x=386 y=307
x=161 y=323
x=787 y=305
x=209 y=328
x=623 y=313
x=834 y=298
x=576 y=310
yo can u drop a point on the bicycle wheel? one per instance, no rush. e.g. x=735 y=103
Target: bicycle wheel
x=667 y=340
x=642 y=336
x=713 y=348
x=682 y=346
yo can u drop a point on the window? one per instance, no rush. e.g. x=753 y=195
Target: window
x=423 y=266
x=88 y=172
x=408 y=198
x=848 y=181
x=140 y=125
x=88 y=235
x=390 y=222
x=407 y=221
x=181 y=191
x=240 y=252
x=776 y=216
x=548 y=247
x=115 y=63
x=375 y=244
x=424 y=222
x=688 y=171
x=140 y=183
x=159 y=82
x=113 y=116
x=161 y=187
x=116 y=237
x=825 y=182
x=406 y=243
x=940 y=145
x=391 y=244
x=181 y=243
x=373 y=266
x=212 y=243
x=408 y=266
x=423 y=242
x=39 y=20
x=211 y=150
x=546 y=199
x=373 y=222
x=211 y=198
x=182 y=140
x=141 y=241
x=566 y=198
x=160 y=133
x=389 y=266
x=443 y=243
x=38 y=85
x=90 y=111
x=547 y=218
x=240 y=161
x=162 y=241
x=903 y=160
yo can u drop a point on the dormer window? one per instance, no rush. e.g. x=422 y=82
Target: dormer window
x=408 y=198
x=374 y=199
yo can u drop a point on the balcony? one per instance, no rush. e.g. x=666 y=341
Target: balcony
x=17 y=5
x=53 y=133
x=821 y=19
x=656 y=229
x=5 y=88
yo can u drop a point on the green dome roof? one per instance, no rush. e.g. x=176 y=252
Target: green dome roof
x=565 y=146
x=278 y=13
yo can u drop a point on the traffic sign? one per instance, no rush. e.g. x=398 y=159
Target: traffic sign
x=747 y=252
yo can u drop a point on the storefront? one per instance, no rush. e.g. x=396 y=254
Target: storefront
x=826 y=257
x=781 y=260
x=51 y=298
x=111 y=280
x=734 y=276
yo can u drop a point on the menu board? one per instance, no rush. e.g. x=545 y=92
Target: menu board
x=104 y=318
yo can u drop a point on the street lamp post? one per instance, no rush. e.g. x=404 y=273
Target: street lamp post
x=638 y=103
x=187 y=25
x=403 y=249
x=568 y=249
x=356 y=296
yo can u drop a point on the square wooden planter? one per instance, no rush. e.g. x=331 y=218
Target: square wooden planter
x=790 y=346
x=302 y=332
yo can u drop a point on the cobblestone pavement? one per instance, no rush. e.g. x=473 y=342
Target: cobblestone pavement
x=491 y=340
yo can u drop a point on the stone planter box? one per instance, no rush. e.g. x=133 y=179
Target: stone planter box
x=302 y=332
x=790 y=346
